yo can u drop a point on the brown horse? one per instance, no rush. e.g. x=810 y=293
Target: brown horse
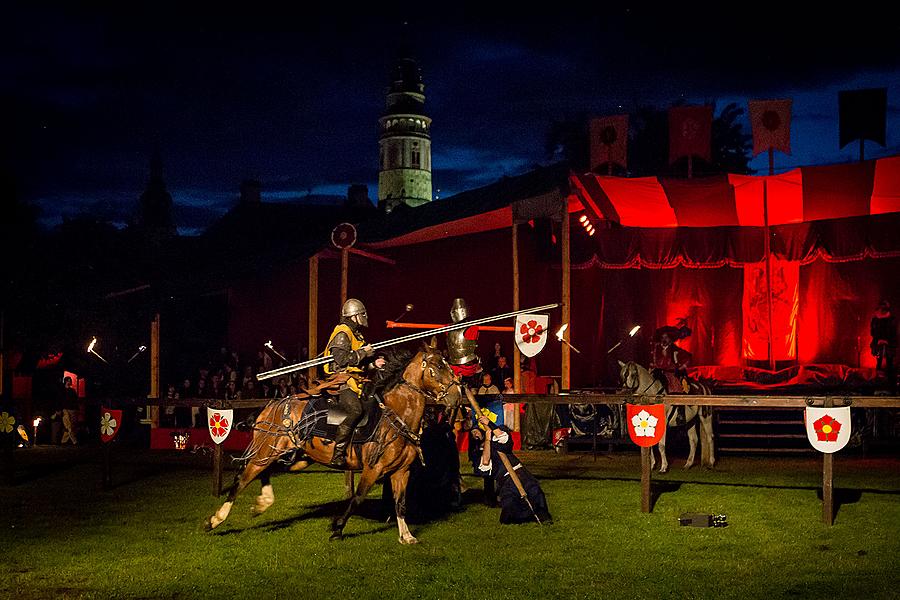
x=279 y=433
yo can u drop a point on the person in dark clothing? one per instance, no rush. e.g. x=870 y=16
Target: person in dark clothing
x=883 y=328
x=476 y=447
x=513 y=508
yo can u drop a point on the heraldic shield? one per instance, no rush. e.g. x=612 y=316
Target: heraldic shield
x=110 y=424
x=531 y=333
x=828 y=429
x=646 y=423
x=220 y=420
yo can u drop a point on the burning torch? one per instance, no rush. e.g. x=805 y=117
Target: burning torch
x=561 y=333
x=274 y=351
x=91 y=350
x=631 y=333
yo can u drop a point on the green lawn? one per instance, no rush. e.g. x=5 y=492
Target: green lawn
x=61 y=536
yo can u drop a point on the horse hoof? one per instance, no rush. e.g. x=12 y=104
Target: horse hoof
x=209 y=525
x=336 y=535
x=689 y=466
x=408 y=541
x=663 y=471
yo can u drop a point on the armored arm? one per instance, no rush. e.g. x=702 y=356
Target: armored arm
x=343 y=355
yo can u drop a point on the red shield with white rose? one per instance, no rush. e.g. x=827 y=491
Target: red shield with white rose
x=531 y=333
x=646 y=423
x=110 y=423
x=828 y=429
x=219 y=420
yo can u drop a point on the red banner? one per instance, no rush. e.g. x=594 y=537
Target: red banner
x=770 y=121
x=785 y=306
x=646 y=423
x=609 y=141
x=690 y=132
x=110 y=423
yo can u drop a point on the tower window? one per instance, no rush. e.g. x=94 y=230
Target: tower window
x=415 y=156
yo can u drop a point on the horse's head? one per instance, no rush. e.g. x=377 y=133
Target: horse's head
x=630 y=374
x=436 y=377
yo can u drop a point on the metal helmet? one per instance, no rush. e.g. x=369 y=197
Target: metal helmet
x=458 y=310
x=355 y=308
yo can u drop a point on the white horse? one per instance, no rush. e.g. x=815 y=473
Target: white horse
x=639 y=381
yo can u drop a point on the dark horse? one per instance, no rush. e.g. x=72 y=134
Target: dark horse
x=389 y=452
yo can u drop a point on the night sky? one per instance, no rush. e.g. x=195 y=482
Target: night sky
x=292 y=98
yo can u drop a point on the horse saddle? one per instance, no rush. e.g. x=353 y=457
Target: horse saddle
x=322 y=416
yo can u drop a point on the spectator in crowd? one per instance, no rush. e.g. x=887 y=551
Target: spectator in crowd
x=70 y=407
x=510 y=409
x=487 y=386
x=502 y=370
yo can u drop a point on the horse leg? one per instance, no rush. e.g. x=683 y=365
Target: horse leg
x=366 y=480
x=707 y=448
x=692 y=427
x=663 y=459
x=250 y=471
x=266 y=496
x=399 y=479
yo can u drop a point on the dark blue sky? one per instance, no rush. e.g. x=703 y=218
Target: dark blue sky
x=292 y=98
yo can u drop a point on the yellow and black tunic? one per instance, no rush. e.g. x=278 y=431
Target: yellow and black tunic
x=345 y=345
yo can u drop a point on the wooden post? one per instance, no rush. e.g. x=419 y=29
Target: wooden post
x=566 y=291
x=153 y=411
x=217 y=470
x=645 y=479
x=107 y=469
x=690 y=166
x=768 y=255
x=345 y=267
x=828 y=481
x=313 y=345
x=516 y=355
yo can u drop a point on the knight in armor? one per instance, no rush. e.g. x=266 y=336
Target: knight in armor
x=461 y=345
x=668 y=361
x=352 y=356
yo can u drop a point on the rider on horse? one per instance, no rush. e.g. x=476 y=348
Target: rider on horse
x=351 y=353
x=668 y=361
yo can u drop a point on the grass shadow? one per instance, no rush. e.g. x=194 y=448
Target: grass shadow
x=660 y=487
x=842 y=496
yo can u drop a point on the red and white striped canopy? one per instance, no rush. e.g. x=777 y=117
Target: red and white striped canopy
x=805 y=194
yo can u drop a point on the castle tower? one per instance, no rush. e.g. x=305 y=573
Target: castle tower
x=155 y=217
x=404 y=175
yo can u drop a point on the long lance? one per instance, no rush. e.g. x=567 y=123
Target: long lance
x=324 y=360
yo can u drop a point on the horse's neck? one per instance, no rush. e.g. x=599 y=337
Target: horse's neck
x=408 y=403
x=647 y=384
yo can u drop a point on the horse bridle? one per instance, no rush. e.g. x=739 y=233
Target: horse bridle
x=633 y=368
x=436 y=398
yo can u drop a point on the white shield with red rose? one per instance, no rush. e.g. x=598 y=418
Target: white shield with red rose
x=219 y=421
x=828 y=429
x=531 y=333
x=110 y=423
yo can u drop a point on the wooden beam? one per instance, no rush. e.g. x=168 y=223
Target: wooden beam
x=828 y=482
x=516 y=354
x=313 y=319
x=153 y=411
x=373 y=256
x=566 y=297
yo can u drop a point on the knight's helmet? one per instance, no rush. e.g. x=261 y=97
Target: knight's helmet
x=355 y=310
x=460 y=350
x=458 y=311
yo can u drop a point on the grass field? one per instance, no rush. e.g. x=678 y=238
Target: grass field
x=61 y=536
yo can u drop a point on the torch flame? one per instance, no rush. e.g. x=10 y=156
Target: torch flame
x=634 y=330
x=562 y=331
x=92 y=344
x=36 y=422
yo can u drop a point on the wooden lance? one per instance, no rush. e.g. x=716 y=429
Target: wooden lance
x=324 y=360
x=505 y=460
